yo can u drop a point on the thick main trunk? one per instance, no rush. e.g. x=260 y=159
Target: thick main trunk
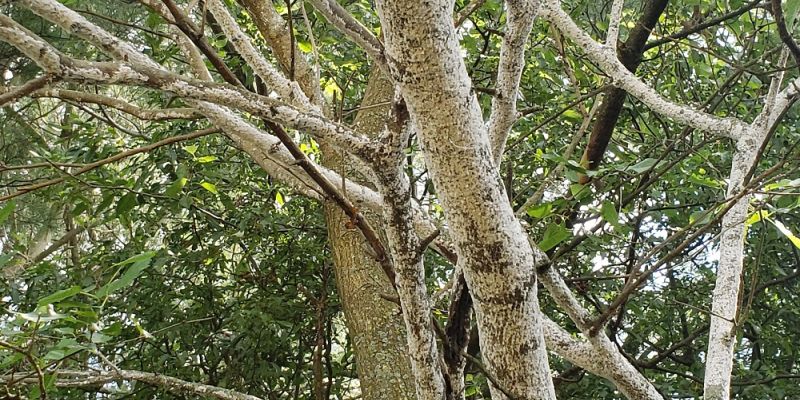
x=375 y=324
x=425 y=59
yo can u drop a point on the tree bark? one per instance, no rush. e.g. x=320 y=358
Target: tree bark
x=424 y=56
x=375 y=324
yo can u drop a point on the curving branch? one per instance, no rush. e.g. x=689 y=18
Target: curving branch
x=85 y=379
x=703 y=25
x=70 y=69
x=783 y=31
x=9 y=94
x=350 y=27
x=275 y=32
x=626 y=80
x=160 y=114
x=290 y=91
x=116 y=157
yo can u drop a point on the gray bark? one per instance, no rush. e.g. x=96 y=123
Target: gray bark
x=424 y=57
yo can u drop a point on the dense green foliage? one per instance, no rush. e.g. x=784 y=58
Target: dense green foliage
x=194 y=263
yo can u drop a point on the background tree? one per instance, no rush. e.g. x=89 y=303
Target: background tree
x=308 y=199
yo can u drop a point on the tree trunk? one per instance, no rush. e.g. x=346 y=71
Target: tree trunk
x=374 y=324
x=425 y=59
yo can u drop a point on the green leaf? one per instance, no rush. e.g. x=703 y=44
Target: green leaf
x=100 y=338
x=757 y=216
x=126 y=204
x=176 y=187
x=643 y=165
x=59 y=295
x=701 y=217
x=786 y=232
x=305 y=47
x=540 y=211
x=140 y=263
x=7 y=209
x=573 y=115
x=146 y=256
x=4 y=259
x=209 y=186
x=64 y=348
x=609 y=213
x=206 y=159
x=579 y=191
x=191 y=149
x=553 y=235
x=791 y=12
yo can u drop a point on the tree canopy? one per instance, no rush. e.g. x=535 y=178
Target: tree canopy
x=544 y=199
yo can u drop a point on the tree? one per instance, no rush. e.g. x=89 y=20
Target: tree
x=454 y=182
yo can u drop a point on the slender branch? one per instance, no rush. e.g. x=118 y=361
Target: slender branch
x=160 y=114
x=520 y=15
x=287 y=89
x=783 y=32
x=32 y=361
x=555 y=115
x=14 y=93
x=624 y=79
x=119 y=156
x=334 y=194
x=344 y=22
x=699 y=27
x=77 y=379
x=467 y=11
x=613 y=24
x=191 y=31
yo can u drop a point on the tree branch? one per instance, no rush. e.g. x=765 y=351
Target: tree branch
x=116 y=157
x=289 y=90
x=783 y=32
x=77 y=379
x=10 y=94
x=520 y=15
x=624 y=79
x=334 y=194
x=699 y=27
x=350 y=27
x=160 y=114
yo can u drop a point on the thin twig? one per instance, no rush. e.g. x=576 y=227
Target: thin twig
x=116 y=157
x=27 y=88
x=783 y=32
x=34 y=364
x=356 y=218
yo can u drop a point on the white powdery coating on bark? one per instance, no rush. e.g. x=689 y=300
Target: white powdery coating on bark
x=424 y=57
x=345 y=23
x=607 y=60
x=76 y=24
x=288 y=90
x=157 y=114
x=613 y=25
x=29 y=44
x=410 y=279
x=610 y=362
x=520 y=15
x=725 y=299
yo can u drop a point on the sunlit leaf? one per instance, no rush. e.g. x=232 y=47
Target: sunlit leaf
x=786 y=232
x=209 y=186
